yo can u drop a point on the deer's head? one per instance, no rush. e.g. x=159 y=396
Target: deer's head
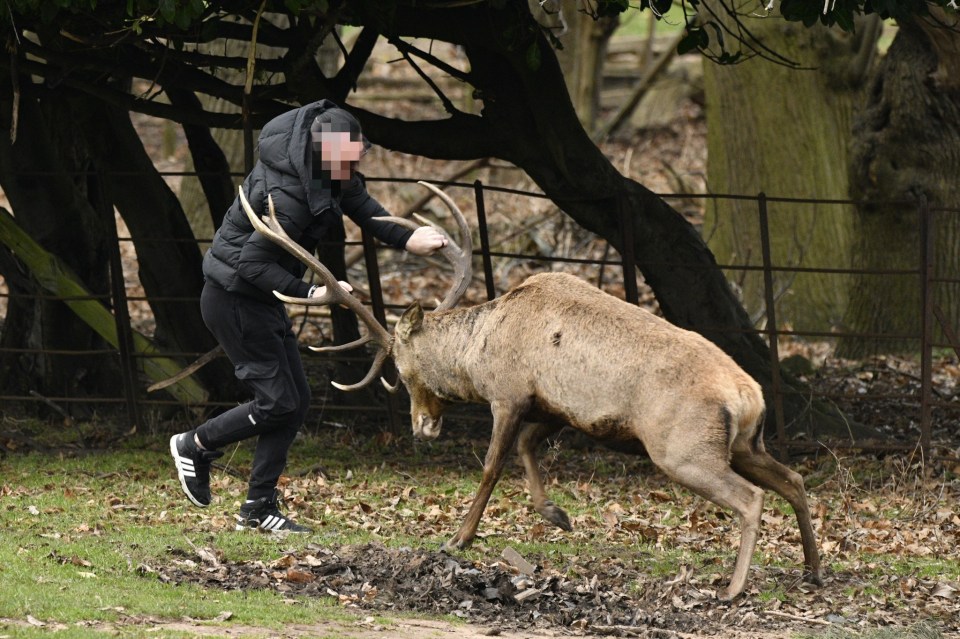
x=425 y=406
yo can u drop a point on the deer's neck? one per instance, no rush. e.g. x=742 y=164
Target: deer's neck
x=446 y=339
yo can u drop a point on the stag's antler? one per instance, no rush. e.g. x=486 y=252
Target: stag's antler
x=459 y=258
x=335 y=294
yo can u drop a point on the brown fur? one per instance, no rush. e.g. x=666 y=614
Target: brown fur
x=557 y=351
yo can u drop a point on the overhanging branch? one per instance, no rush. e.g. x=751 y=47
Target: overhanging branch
x=464 y=137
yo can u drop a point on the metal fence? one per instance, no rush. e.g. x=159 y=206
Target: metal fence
x=133 y=398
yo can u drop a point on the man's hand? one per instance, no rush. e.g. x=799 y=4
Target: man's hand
x=319 y=291
x=425 y=240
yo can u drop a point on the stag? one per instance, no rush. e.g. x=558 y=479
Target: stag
x=556 y=351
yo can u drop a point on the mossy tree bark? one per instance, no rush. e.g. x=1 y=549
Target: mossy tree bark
x=906 y=150
x=786 y=132
x=44 y=173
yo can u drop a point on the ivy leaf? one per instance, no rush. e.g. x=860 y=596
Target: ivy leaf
x=168 y=10
x=612 y=7
x=659 y=7
x=728 y=58
x=719 y=36
x=696 y=38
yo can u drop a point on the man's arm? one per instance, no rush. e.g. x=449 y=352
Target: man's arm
x=363 y=209
x=260 y=260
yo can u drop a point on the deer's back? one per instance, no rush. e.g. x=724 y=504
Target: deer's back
x=600 y=363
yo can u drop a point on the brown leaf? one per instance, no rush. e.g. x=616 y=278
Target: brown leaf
x=610 y=518
x=299 y=576
x=660 y=496
x=946 y=591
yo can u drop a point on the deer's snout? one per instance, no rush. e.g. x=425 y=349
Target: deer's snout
x=426 y=427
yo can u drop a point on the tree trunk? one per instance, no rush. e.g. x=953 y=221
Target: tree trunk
x=167 y=257
x=528 y=119
x=584 y=40
x=55 y=201
x=907 y=149
x=795 y=148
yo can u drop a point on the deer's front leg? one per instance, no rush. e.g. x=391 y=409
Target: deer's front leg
x=506 y=421
x=529 y=440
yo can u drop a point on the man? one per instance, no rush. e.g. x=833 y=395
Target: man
x=307 y=162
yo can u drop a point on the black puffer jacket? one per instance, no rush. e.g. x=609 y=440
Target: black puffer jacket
x=242 y=260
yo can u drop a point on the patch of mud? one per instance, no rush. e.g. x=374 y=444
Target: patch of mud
x=587 y=596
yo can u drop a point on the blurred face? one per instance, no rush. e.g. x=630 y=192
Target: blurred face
x=338 y=153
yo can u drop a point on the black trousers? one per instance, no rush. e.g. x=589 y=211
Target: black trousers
x=259 y=340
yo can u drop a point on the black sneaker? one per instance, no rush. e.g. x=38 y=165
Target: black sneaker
x=263 y=514
x=193 y=467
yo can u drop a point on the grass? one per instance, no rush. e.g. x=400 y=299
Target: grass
x=82 y=536
x=85 y=530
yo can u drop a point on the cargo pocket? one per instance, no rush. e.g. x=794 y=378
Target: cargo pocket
x=256 y=370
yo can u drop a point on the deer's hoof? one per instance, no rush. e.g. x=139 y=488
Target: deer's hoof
x=813 y=578
x=728 y=595
x=453 y=545
x=556 y=516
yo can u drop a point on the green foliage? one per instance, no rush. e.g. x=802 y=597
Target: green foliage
x=533 y=56
x=181 y=13
x=839 y=13
x=517 y=30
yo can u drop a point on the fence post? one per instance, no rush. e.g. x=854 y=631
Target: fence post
x=772 y=326
x=926 y=334
x=121 y=314
x=380 y=313
x=484 y=240
x=626 y=252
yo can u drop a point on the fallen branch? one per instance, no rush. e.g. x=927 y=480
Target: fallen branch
x=57 y=278
x=787 y=615
x=200 y=362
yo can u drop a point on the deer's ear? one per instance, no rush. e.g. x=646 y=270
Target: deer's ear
x=410 y=322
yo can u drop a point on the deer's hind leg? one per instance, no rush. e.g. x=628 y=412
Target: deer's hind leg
x=759 y=467
x=530 y=438
x=705 y=471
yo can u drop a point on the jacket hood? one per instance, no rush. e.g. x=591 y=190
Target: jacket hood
x=284 y=145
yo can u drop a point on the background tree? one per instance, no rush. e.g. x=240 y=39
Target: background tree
x=906 y=150
x=527 y=117
x=580 y=41
x=888 y=146
x=45 y=175
x=784 y=130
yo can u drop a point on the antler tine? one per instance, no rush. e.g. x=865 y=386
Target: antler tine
x=334 y=293
x=378 y=361
x=459 y=258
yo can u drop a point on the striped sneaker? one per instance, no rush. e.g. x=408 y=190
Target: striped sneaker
x=193 y=467
x=263 y=514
